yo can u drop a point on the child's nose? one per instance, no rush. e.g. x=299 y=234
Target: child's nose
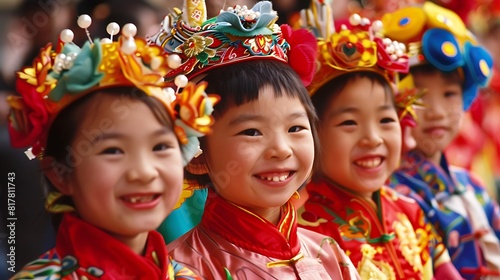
x=141 y=170
x=371 y=138
x=278 y=148
x=434 y=112
x=435 y=109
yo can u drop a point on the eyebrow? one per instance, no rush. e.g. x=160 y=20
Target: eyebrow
x=250 y=117
x=245 y=118
x=356 y=110
x=116 y=135
x=298 y=115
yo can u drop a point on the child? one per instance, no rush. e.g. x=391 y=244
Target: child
x=260 y=152
x=112 y=150
x=384 y=234
x=450 y=67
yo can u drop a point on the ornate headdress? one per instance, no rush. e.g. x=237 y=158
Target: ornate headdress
x=438 y=36
x=60 y=76
x=407 y=98
x=357 y=47
x=236 y=35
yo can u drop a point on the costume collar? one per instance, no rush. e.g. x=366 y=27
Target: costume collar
x=250 y=231
x=87 y=250
x=437 y=177
x=348 y=207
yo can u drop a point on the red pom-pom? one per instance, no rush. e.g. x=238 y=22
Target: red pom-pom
x=303 y=52
x=29 y=123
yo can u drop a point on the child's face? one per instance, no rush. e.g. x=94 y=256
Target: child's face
x=261 y=152
x=438 y=123
x=360 y=136
x=128 y=168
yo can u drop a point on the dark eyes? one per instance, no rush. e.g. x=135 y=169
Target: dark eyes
x=450 y=94
x=387 y=120
x=250 y=132
x=347 y=123
x=160 y=147
x=256 y=132
x=112 y=151
x=296 y=128
x=351 y=122
x=117 y=151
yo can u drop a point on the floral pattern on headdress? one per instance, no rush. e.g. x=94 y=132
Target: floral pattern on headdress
x=240 y=21
x=81 y=75
x=407 y=99
x=236 y=35
x=59 y=77
x=356 y=46
x=194 y=110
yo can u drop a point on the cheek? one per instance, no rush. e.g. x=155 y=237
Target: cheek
x=96 y=174
x=306 y=149
x=173 y=193
x=416 y=132
x=396 y=143
x=455 y=115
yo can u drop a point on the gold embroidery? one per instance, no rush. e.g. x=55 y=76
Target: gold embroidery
x=373 y=270
x=409 y=244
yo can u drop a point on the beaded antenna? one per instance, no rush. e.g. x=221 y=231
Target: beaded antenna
x=60 y=76
x=237 y=34
x=356 y=46
x=438 y=36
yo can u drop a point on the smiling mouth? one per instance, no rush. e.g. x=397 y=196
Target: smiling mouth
x=369 y=163
x=275 y=177
x=436 y=128
x=140 y=198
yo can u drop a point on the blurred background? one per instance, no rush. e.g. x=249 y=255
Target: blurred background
x=27 y=26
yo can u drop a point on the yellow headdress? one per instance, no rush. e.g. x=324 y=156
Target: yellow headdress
x=357 y=46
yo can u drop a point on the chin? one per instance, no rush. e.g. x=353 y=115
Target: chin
x=275 y=202
x=148 y=224
x=372 y=186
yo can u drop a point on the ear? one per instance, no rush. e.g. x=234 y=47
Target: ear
x=58 y=174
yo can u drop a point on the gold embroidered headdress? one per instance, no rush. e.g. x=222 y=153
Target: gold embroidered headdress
x=62 y=74
x=357 y=46
x=235 y=35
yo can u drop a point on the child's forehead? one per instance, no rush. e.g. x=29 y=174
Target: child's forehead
x=426 y=78
x=269 y=99
x=267 y=106
x=363 y=93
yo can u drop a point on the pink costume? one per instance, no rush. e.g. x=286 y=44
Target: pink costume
x=234 y=243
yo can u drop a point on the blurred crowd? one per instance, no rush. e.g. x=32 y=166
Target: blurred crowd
x=28 y=25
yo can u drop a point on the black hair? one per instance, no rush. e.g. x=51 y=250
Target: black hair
x=428 y=69
x=241 y=83
x=324 y=96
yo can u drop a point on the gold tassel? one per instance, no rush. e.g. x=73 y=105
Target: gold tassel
x=51 y=204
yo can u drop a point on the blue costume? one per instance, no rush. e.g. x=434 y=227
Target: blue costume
x=459 y=208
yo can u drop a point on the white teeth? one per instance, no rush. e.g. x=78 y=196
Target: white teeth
x=140 y=199
x=275 y=178
x=369 y=163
